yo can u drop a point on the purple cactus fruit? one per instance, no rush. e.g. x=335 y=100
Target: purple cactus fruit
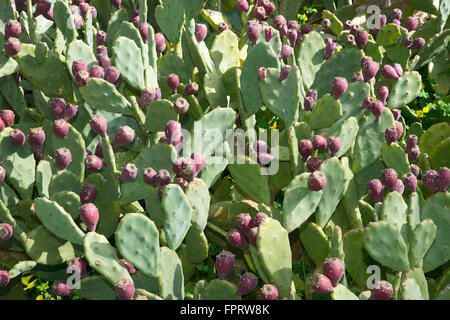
x=313 y=164
x=396 y=113
x=150 y=177
x=247 y=283
x=330 y=47
x=396 y=22
x=123 y=136
x=79 y=65
x=430 y=180
x=101 y=38
x=4 y=278
x=58 y=107
x=160 y=42
x=60 y=288
x=262 y=73
x=268 y=34
x=305 y=148
x=173 y=81
x=383 y=290
x=398 y=68
x=17 y=138
x=348 y=25
x=319 y=143
x=163 y=177
x=127 y=265
x=399 y=187
x=411 y=23
x=256 y=221
x=116 y=3
x=99 y=124
x=286 y=51
x=333 y=269
x=334 y=144
x=292 y=25
x=413 y=153
x=42 y=7
x=361 y=38
x=417 y=44
x=366 y=60
x=147 y=97
x=415 y=170
x=370 y=70
x=36 y=137
x=12 y=29
x=82 y=78
x=8 y=117
x=236 y=238
x=92 y=162
x=182 y=183
x=88 y=193
x=143 y=30
x=313 y=94
x=391 y=135
x=78 y=265
x=103 y=61
x=279 y=21
x=268 y=292
x=389 y=178
x=410 y=182
x=269 y=6
x=198 y=161
x=326 y=23
x=242 y=5
x=129 y=172
x=411 y=141
x=317 y=181
x=222 y=26
x=2 y=125
x=443 y=179
x=399 y=127
x=407 y=41
x=93 y=12
x=306 y=28
x=350 y=39
x=6 y=232
x=383 y=93
x=260 y=146
x=396 y=14
x=265 y=158
x=321 y=284
x=339 y=87
x=63 y=158
x=377 y=109
x=99 y=149
x=190 y=89
x=181 y=105
x=12 y=47
x=60 y=128
x=112 y=75
x=292 y=37
x=357 y=76
x=124 y=287
x=102 y=50
x=383 y=20
x=284 y=73
x=134 y=18
x=2 y=174
x=172 y=130
x=389 y=72
x=200 y=32
x=224 y=263
x=308 y=104
x=243 y=222
x=252 y=29
x=89 y=215
x=375 y=190
x=259 y=13
x=96 y=72
x=252 y=236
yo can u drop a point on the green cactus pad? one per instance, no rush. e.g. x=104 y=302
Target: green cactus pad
x=198 y=195
x=196 y=246
x=257 y=263
x=148 y=295
x=102 y=257
x=437 y=208
x=158 y=113
x=64 y=181
x=171 y=280
x=433 y=136
x=170 y=18
x=394 y=212
x=199 y=52
x=388 y=35
x=220 y=290
x=21 y=267
x=261 y=55
x=6 y=217
x=126 y=57
x=114 y=24
x=419 y=277
x=64 y=20
x=138 y=242
x=352 y=100
x=282 y=98
x=96 y=288
x=128 y=30
x=215 y=90
x=336 y=25
x=275 y=254
x=154 y=207
x=103 y=95
x=8 y=195
x=325 y=113
x=78 y=50
x=440 y=155
x=385 y=244
x=57 y=220
x=405 y=89
x=315 y=242
x=396 y=158
x=342 y=293
x=225 y=51
x=44 y=248
x=299 y=202
x=8 y=66
x=410 y=290
x=437 y=44
x=70 y=201
x=356 y=258
x=420 y=242
x=178 y=214
x=370 y=140
x=310 y=57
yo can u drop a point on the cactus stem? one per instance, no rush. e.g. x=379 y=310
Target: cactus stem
x=398 y=280
x=143 y=11
x=195 y=108
x=138 y=115
x=31 y=22
x=249 y=261
x=292 y=140
x=217 y=230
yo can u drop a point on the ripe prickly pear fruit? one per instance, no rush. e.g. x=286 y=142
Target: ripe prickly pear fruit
x=396 y=113
x=279 y=21
x=398 y=68
x=367 y=102
x=389 y=72
x=129 y=172
x=284 y=73
x=101 y=38
x=150 y=176
x=36 y=137
x=243 y=222
x=99 y=124
x=375 y=190
x=361 y=38
x=257 y=219
x=330 y=47
x=236 y=238
x=415 y=170
x=71 y=111
x=181 y=105
x=443 y=179
x=247 y=283
x=173 y=81
x=391 y=135
x=383 y=93
x=430 y=180
x=286 y=51
x=88 y=193
x=369 y=69
x=12 y=47
x=319 y=143
x=200 y=32
x=376 y=109
x=268 y=292
x=268 y=34
x=60 y=288
x=292 y=25
x=160 y=42
x=252 y=29
x=321 y=284
x=305 y=148
x=17 y=138
x=2 y=174
x=262 y=73
x=348 y=25
x=317 y=181
x=96 y=72
x=78 y=265
x=134 y=18
x=112 y=75
x=411 y=23
x=79 y=65
x=89 y=215
x=116 y=3
x=2 y=125
x=127 y=265
x=148 y=96
x=350 y=39
x=306 y=28
x=92 y=162
x=60 y=128
x=308 y=103
x=313 y=164
x=82 y=78
x=161 y=192
x=123 y=136
x=182 y=183
x=242 y=5
x=357 y=76
x=252 y=236
x=12 y=29
x=313 y=94
x=198 y=161
x=339 y=87
x=410 y=182
x=407 y=41
x=259 y=13
x=383 y=291
x=399 y=128
x=6 y=232
x=333 y=269
x=163 y=177
x=190 y=89
x=326 y=23
x=4 y=278
x=222 y=26
x=417 y=44
x=411 y=141
x=399 y=186
x=413 y=153
x=124 y=289
x=103 y=61
x=63 y=158
x=269 y=6
x=224 y=263
x=396 y=14
x=143 y=30
x=334 y=145
x=389 y=178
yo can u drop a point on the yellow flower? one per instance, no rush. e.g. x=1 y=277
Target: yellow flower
x=26 y=282
x=426 y=110
x=420 y=113
x=305 y=17
x=40 y=297
x=274 y=125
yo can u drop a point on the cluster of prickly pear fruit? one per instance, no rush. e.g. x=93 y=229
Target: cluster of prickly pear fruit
x=107 y=167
